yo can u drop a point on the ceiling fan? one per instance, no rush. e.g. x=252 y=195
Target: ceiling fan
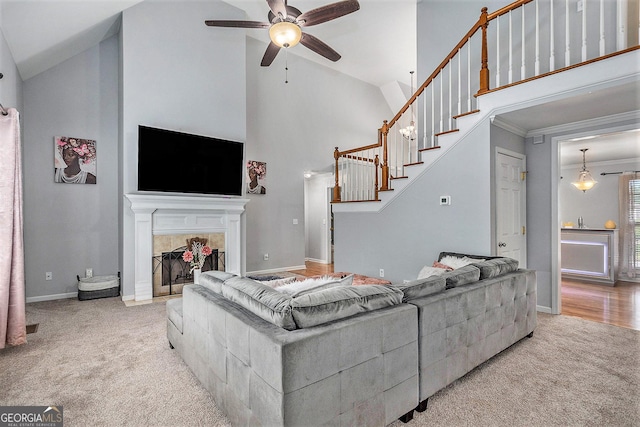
x=285 y=27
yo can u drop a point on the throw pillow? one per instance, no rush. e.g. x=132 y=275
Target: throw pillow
x=430 y=271
x=276 y=283
x=457 y=262
x=441 y=265
x=307 y=286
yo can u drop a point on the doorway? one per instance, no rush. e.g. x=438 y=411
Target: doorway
x=609 y=153
x=318 y=218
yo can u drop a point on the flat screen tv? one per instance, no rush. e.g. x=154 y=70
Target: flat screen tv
x=179 y=162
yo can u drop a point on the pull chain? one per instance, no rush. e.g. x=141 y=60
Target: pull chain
x=286 y=66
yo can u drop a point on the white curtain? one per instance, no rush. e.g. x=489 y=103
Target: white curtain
x=629 y=237
x=12 y=293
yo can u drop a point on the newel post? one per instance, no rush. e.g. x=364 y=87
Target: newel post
x=336 y=188
x=484 y=70
x=382 y=133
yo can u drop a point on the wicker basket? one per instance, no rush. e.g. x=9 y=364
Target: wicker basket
x=98 y=287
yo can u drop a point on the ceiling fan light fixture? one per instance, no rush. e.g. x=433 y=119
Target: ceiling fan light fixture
x=285 y=34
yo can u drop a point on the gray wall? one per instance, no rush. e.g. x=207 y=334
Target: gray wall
x=71 y=227
x=600 y=203
x=294 y=127
x=414 y=228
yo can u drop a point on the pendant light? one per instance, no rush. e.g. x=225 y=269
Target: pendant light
x=409 y=132
x=585 y=180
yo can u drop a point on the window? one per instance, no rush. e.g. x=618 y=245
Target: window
x=629 y=261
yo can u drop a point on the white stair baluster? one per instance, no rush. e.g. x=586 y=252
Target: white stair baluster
x=552 y=51
x=511 y=47
x=584 y=30
x=523 y=68
x=621 y=24
x=567 y=35
x=498 y=51
x=450 y=109
x=602 y=36
x=469 y=74
x=537 y=61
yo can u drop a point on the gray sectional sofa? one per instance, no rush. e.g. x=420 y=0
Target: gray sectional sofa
x=346 y=355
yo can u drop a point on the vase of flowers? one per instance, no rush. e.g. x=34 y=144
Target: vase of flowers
x=196 y=257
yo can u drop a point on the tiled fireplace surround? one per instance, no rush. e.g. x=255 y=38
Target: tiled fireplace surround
x=163 y=214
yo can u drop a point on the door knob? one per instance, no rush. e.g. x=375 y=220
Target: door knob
x=501 y=244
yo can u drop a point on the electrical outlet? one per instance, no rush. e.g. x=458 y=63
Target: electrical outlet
x=48 y=275
x=382 y=272
x=266 y=257
x=89 y=272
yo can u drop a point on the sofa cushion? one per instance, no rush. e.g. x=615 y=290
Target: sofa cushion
x=421 y=287
x=431 y=271
x=213 y=279
x=261 y=300
x=339 y=302
x=462 y=276
x=303 y=287
x=174 y=312
x=496 y=267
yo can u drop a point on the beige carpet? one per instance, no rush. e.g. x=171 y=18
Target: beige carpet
x=108 y=364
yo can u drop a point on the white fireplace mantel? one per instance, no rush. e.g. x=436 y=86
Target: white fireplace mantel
x=183 y=214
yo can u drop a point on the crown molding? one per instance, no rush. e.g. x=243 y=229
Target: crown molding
x=506 y=125
x=571 y=127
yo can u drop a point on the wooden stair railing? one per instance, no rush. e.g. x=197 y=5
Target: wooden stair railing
x=360 y=173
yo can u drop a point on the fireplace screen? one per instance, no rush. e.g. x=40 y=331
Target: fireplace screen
x=176 y=272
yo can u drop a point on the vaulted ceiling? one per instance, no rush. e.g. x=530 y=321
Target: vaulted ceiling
x=374 y=48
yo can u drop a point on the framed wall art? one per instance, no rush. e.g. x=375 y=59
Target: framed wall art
x=256 y=176
x=74 y=160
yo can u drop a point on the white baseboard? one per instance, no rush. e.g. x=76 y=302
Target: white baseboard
x=543 y=309
x=52 y=297
x=276 y=270
x=319 y=261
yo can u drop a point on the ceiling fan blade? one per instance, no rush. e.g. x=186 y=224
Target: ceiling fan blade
x=278 y=7
x=270 y=54
x=319 y=47
x=237 y=24
x=328 y=12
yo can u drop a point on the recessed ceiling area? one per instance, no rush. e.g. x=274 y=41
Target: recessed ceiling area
x=602 y=148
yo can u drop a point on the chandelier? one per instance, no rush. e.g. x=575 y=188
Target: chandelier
x=409 y=132
x=585 y=180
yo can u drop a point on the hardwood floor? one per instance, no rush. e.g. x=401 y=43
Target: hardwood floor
x=618 y=305
x=315 y=269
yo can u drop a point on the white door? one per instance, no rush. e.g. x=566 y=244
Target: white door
x=511 y=238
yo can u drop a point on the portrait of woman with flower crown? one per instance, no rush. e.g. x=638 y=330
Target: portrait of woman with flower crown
x=74 y=160
x=256 y=175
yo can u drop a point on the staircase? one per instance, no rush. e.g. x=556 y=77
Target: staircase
x=520 y=44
